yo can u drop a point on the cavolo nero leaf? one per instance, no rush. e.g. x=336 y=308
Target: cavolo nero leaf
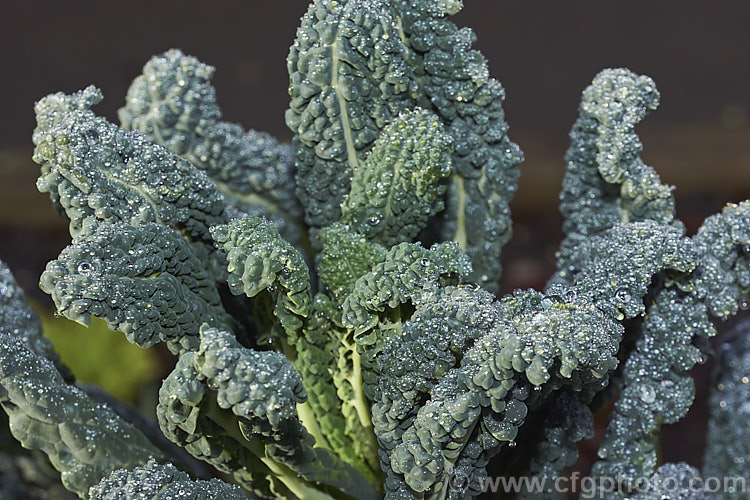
x=84 y=440
x=145 y=281
x=262 y=263
x=344 y=258
x=174 y=104
x=606 y=182
x=383 y=299
x=396 y=189
x=477 y=407
x=724 y=241
x=348 y=78
x=444 y=324
x=93 y=169
x=657 y=387
x=270 y=270
x=20 y=321
x=727 y=445
x=236 y=408
x=160 y=482
x=453 y=81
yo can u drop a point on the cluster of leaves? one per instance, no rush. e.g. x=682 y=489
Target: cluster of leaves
x=331 y=303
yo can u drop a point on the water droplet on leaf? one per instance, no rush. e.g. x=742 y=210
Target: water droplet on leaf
x=623 y=295
x=647 y=394
x=85 y=268
x=91 y=136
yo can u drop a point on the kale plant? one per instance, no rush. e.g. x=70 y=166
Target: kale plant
x=331 y=302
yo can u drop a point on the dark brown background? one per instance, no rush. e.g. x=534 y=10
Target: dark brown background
x=544 y=52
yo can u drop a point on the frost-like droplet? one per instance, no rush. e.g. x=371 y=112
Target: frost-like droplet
x=647 y=394
x=623 y=295
x=85 y=268
x=91 y=136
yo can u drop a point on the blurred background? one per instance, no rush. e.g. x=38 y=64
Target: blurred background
x=544 y=53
